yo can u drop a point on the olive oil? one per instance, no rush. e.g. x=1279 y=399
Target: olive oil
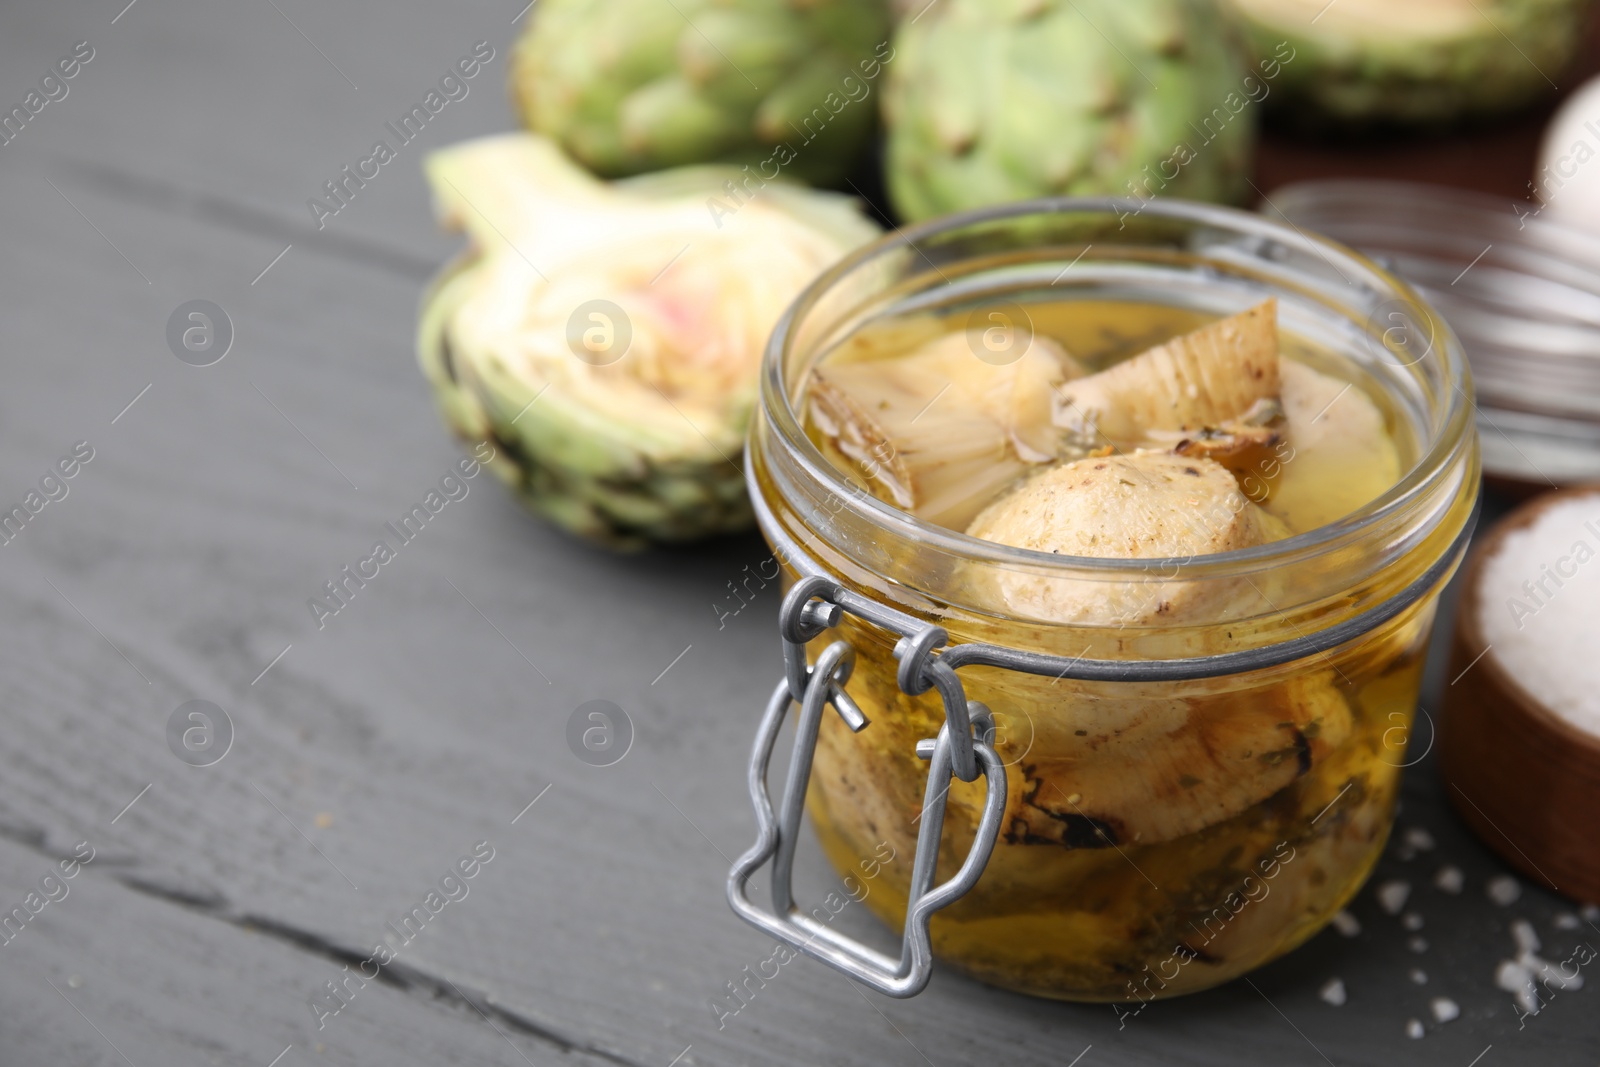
x=1158 y=838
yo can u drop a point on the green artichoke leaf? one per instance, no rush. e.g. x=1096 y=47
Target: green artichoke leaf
x=672 y=121
x=529 y=182
x=992 y=101
x=461 y=411
x=1377 y=62
x=737 y=55
x=813 y=105
x=629 y=86
x=837 y=216
x=608 y=335
x=623 y=45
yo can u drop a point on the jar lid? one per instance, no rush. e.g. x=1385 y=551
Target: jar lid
x=1521 y=292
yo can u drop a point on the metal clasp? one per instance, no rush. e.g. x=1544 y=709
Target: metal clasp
x=812 y=607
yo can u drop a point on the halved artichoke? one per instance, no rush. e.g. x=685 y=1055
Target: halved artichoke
x=606 y=337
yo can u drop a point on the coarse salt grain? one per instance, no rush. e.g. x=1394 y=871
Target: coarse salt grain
x=1513 y=976
x=1414 y=1028
x=1392 y=896
x=1523 y=934
x=1419 y=976
x=1450 y=879
x=1503 y=890
x=1333 y=992
x=1411 y=921
x=1418 y=945
x=1552 y=975
x=1518 y=975
x=1567 y=921
x=1419 y=839
x=1347 y=924
x=1536 y=608
x=1590 y=913
x=1444 y=1009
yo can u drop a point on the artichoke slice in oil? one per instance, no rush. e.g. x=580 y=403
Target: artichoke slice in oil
x=1217 y=757
x=1143 y=505
x=940 y=431
x=1202 y=380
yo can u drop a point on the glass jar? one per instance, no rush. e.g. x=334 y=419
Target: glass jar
x=1134 y=810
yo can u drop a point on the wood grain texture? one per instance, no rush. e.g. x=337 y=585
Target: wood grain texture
x=428 y=713
x=105 y=973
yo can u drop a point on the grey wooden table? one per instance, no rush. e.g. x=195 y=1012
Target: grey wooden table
x=368 y=756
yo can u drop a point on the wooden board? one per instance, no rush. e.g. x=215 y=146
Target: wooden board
x=371 y=754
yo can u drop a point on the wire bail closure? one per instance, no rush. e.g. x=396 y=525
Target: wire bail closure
x=809 y=610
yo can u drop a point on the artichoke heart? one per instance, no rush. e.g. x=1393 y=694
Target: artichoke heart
x=940 y=431
x=1225 y=754
x=1224 y=373
x=1143 y=505
x=607 y=336
x=1180 y=429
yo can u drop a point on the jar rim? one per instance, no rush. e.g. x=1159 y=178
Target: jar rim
x=1451 y=432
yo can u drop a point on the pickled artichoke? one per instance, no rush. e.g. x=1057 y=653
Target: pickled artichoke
x=606 y=337
x=1154 y=495
x=628 y=86
x=1144 y=769
x=1144 y=820
x=880 y=416
x=1146 y=505
x=998 y=100
x=941 y=431
x=1203 y=380
x=1172 y=766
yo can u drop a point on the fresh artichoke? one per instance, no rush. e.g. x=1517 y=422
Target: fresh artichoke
x=628 y=86
x=997 y=100
x=1400 y=61
x=606 y=337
